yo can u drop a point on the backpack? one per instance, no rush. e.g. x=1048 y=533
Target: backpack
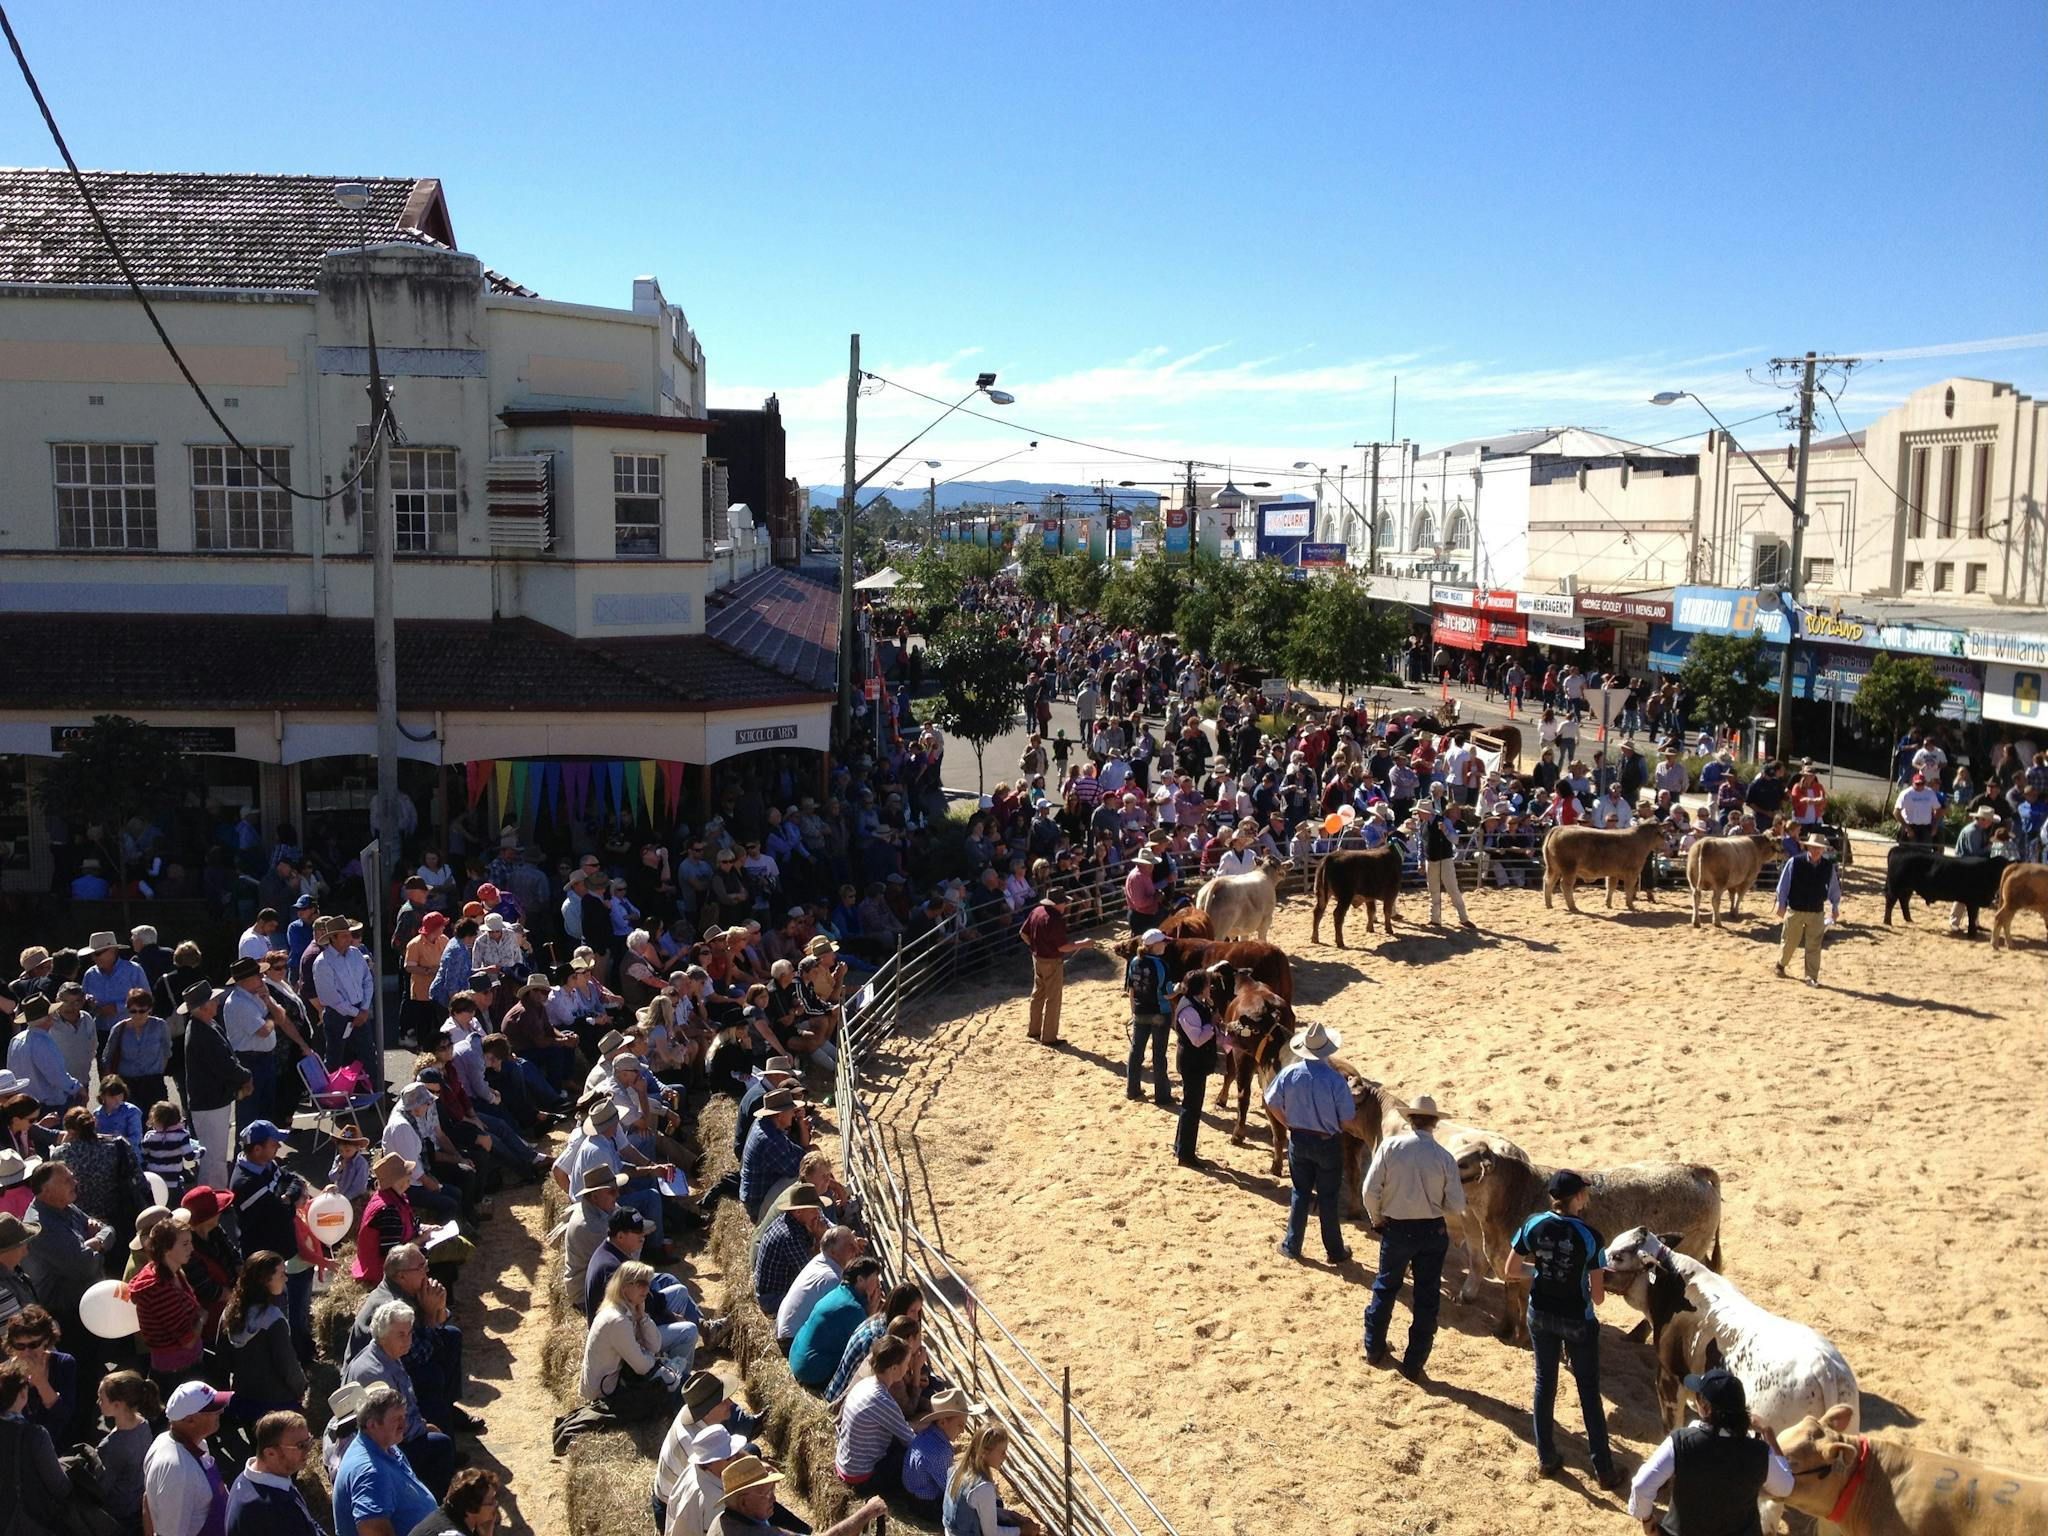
x=1147 y=976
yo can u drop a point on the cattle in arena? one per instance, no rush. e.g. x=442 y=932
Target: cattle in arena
x=1368 y=877
x=1731 y=864
x=1502 y=1191
x=1572 y=854
x=1266 y=963
x=1188 y=923
x=1866 y=1487
x=1241 y=906
x=1935 y=876
x=1699 y=1320
x=2022 y=888
x=1259 y=1027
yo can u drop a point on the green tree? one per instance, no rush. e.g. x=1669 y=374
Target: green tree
x=1340 y=635
x=1253 y=603
x=114 y=769
x=1142 y=597
x=1729 y=677
x=980 y=673
x=1900 y=692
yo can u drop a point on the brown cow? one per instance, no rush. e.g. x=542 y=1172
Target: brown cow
x=1572 y=854
x=2022 y=888
x=1370 y=877
x=1188 y=923
x=1263 y=962
x=1731 y=864
x=1869 y=1487
x=1260 y=1026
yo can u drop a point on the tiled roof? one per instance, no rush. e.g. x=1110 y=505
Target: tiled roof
x=240 y=663
x=203 y=230
x=785 y=619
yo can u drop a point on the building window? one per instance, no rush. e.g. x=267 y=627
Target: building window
x=1820 y=571
x=1944 y=575
x=423 y=501
x=1460 y=536
x=233 y=506
x=106 y=495
x=636 y=504
x=1773 y=562
x=1916 y=575
x=1916 y=496
x=1980 y=493
x=1973 y=576
x=1425 y=532
x=1951 y=472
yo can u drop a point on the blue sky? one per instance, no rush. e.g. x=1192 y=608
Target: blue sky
x=1210 y=230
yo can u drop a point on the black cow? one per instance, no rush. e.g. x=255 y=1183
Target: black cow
x=1356 y=876
x=1935 y=876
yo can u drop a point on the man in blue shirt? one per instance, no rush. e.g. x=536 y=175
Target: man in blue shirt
x=1565 y=1261
x=452 y=975
x=110 y=978
x=1313 y=1101
x=375 y=1481
x=772 y=1156
x=347 y=990
x=36 y=1059
x=305 y=913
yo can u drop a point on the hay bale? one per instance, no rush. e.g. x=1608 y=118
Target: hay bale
x=334 y=1313
x=561 y=1356
x=554 y=1204
x=610 y=1477
x=322 y=1378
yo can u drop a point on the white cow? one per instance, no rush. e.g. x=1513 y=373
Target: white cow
x=1241 y=906
x=1699 y=1320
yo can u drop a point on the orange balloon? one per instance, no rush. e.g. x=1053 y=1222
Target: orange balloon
x=1333 y=824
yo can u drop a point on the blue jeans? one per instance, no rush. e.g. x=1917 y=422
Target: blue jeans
x=1315 y=1164
x=1406 y=1245
x=645 y=1197
x=260 y=1103
x=432 y=1457
x=298 y=1308
x=1579 y=1341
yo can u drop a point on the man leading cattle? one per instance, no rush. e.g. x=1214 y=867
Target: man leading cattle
x=1311 y=1097
x=1565 y=1261
x=1409 y=1189
x=1806 y=885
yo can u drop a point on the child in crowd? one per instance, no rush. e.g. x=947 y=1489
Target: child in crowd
x=169 y=1151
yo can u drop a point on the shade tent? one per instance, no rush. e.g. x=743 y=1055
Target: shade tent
x=887 y=579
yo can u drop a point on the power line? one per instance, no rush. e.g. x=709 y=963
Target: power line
x=128 y=273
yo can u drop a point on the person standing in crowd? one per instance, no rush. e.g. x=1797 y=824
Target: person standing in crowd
x=1439 y=865
x=37 y=1062
x=1145 y=984
x=347 y=992
x=183 y=1492
x=1313 y=1101
x=265 y=1500
x=1410 y=1188
x=138 y=1051
x=213 y=1083
x=1045 y=934
x=1194 y=1026
x=252 y=1020
x=1565 y=1260
x=1918 y=808
x=1716 y=1468
x=1805 y=886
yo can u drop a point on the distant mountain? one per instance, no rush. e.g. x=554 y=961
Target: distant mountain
x=908 y=497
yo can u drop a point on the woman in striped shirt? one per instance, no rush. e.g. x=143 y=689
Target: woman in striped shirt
x=167 y=1310
x=873 y=1433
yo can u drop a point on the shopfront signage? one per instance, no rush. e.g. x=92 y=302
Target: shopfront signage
x=2016 y=694
x=179 y=738
x=1568 y=633
x=1322 y=554
x=1552 y=605
x=1287 y=519
x=1831 y=626
x=1727 y=611
x=1477 y=598
x=1450 y=597
x=2018 y=650
x=1599 y=605
x=759 y=735
x=1457 y=629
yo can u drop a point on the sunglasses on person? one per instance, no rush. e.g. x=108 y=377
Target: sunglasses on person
x=138 y=1008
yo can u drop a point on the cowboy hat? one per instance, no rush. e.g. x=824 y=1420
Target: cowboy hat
x=1815 y=840
x=1985 y=813
x=15 y=1169
x=714 y=1442
x=1424 y=1104
x=602 y=1118
x=775 y=1102
x=952 y=1400
x=391 y=1165
x=149 y=1218
x=597 y=1178
x=1316 y=1041
x=102 y=940
x=744 y=1473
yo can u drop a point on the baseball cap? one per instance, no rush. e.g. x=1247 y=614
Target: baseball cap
x=1151 y=936
x=195 y=1397
x=1565 y=1183
x=1720 y=1391
x=260 y=1131
x=626 y=1219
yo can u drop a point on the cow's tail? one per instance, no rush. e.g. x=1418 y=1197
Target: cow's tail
x=1703 y=1172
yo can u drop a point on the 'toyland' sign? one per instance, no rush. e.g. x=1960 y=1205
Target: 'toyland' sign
x=1727 y=611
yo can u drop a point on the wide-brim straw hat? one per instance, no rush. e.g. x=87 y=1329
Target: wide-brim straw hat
x=1315 y=1040
x=1424 y=1104
x=744 y=1473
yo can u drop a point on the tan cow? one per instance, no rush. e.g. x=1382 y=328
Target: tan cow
x=1241 y=906
x=1731 y=864
x=1503 y=1190
x=2022 y=888
x=1866 y=1487
x=1572 y=854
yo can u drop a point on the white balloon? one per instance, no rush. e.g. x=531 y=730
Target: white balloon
x=106 y=1310
x=329 y=1217
x=159 y=1191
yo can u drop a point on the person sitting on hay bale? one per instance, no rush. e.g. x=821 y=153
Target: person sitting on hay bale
x=706 y=1404
x=624 y=1374
x=749 y=1504
x=873 y=1433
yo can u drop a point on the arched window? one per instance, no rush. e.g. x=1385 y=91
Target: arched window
x=1460 y=536
x=1425 y=531
x=1385 y=536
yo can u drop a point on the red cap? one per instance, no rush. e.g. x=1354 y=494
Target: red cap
x=433 y=923
x=1919 y=778
x=487 y=894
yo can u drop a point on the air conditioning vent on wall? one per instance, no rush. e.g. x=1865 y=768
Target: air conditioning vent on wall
x=519 y=496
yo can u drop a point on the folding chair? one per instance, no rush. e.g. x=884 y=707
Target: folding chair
x=330 y=1105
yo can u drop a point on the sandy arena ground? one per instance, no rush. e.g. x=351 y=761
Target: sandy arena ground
x=1880 y=1146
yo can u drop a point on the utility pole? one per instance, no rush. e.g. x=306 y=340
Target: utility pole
x=1784 y=744
x=1372 y=498
x=849 y=648
x=931 y=507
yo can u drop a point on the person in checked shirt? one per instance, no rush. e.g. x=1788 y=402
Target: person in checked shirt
x=1410 y=1187
x=1313 y=1101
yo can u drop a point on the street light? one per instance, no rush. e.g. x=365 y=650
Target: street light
x=849 y=651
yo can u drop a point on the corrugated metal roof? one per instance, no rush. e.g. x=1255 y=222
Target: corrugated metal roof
x=784 y=619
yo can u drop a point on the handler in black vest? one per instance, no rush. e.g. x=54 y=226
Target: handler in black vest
x=1806 y=885
x=1145 y=982
x=1716 y=1469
